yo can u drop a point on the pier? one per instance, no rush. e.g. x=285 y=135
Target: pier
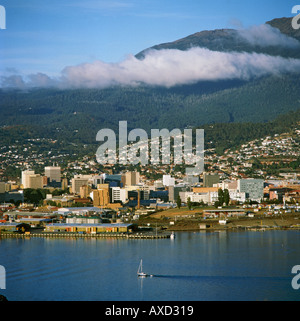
x=87 y=235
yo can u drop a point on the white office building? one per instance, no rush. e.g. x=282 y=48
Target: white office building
x=119 y=194
x=25 y=178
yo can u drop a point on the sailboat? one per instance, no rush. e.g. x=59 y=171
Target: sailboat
x=140 y=272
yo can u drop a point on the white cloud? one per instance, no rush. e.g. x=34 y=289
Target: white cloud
x=174 y=67
x=165 y=68
x=265 y=35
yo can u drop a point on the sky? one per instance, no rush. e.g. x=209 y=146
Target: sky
x=70 y=39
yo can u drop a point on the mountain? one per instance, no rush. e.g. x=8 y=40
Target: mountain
x=285 y=27
x=75 y=116
x=228 y=40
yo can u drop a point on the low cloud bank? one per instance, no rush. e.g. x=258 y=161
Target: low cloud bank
x=161 y=68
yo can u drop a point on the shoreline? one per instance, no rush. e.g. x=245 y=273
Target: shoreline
x=166 y=234
x=258 y=222
x=87 y=236
x=162 y=229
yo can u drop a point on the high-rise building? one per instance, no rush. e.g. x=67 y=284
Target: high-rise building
x=79 y=181
x=98 y=179
x=35 y=181
x=132 y=178
x=101 y=197
x=31 y=180
x=85 y=191
x=64 y=183
x=171 y=194
x=118 y=194
x=253 y=187
x=25 y=178
x=53 y=173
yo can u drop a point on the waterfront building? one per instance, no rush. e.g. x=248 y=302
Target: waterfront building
x=90 y=228
x=86 y=211
x=77 y=219
x=8 y=227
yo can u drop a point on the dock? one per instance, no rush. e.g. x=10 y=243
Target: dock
x=87 y=235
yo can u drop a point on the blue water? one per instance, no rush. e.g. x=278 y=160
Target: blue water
x=195 y=266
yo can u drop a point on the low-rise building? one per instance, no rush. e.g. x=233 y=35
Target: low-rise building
x=90 y=228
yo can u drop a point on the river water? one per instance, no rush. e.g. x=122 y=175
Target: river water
x=195 y=266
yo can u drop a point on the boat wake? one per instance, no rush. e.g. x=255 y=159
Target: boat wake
x=177 y=276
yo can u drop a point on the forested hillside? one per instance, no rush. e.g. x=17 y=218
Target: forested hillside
x=79 y=114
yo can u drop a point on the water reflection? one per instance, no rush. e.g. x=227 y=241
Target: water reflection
x=193 y=266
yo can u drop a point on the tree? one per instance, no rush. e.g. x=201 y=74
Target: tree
x=230 y=160
x=32 y=195
x=178 y=201
x=189 y=203
x=226 y=196
x=220 y=196
x=216 y=204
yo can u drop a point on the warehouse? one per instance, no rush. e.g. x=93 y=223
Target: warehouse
x=34 y=222
x=83 y=220
x=8 y=227
x=89 y=228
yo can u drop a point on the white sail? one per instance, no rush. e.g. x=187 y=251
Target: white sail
x=140 y=270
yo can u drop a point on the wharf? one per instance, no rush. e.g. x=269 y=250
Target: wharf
x=89 y=235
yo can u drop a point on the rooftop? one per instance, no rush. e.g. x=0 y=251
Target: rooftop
x=91 y=225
